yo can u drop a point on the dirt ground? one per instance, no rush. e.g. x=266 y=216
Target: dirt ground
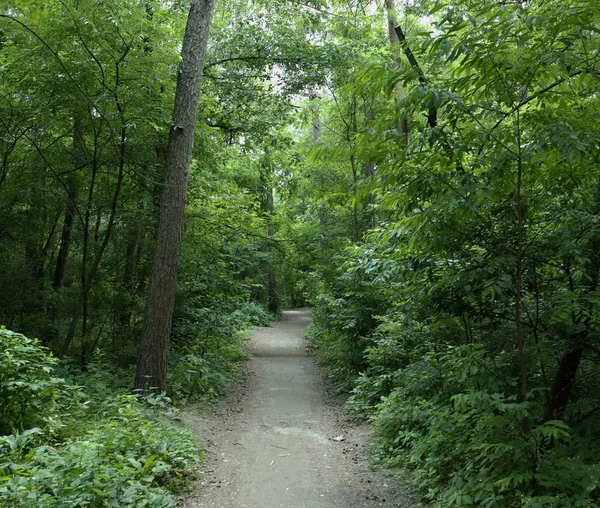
x=281 y=439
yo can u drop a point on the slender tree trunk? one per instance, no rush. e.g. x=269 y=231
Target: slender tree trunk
x=316 y=128
x=65 y=242
x=352 y=129
x=154 y=346
x=356 y=224
x=402 y=125
x=316 y=120
x=519 y=208
x=132 y=256
x=564 y=379
x=88 y=278
x=67 y=231
x=272 y=302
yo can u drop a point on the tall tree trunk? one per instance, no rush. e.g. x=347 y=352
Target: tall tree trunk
x=316 y=128
x=154 y=346
x=132 y=256
x=88 y=277
x=72 y=188
x=564 y=379
x=402 y=125
x=316 y=120
x=272 y=301
x=66 y=239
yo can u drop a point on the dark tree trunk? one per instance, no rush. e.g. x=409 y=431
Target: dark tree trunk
x=272 y=301
x=316 y=121
x=67 y=231
x=88 y=277
x=131 y=260
x=132 y=256
x=562 y=387
x=66 y=239
x=154 y=346
x=316 y=128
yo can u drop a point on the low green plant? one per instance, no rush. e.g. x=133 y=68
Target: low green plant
x=468 y=443
x=254 y=314
x=208 y=348
x=81 y=441
x=127 y=459
x=29 y=391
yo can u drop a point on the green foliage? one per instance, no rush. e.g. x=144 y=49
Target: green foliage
x=254 y=314
x=96 y=447
x=29 y=391
x=124 y=459
x=205 y=359
x=465 y=440
x=477 y=271
x=453 y=265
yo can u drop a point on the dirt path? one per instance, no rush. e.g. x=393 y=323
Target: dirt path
x=272 y=444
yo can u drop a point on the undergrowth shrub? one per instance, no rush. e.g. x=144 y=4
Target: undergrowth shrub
x=339 y=333
x=127 y=459
x=199 y=374
x=450 y=413
x=28 y=390
x=254 y=314
x=450 y=420
x=208 y=349
x=92 y=446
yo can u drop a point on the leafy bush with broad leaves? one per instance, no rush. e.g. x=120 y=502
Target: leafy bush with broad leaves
x=208 y=349
x=342 y=328
x=103 y=447
x=450 y=421
x=28 y=390
x=450 y=411
x=254 y=314
x=194 y=376
x=127 y=459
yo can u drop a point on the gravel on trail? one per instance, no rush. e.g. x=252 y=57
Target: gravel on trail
x=281 y=438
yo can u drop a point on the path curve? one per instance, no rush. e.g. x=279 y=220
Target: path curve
x=273 y=444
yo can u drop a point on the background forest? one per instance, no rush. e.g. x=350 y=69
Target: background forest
x=424 y=174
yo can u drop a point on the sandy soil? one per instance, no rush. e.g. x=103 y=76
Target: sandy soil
x=281 y=440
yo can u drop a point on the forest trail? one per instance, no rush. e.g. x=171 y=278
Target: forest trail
x=273 y=444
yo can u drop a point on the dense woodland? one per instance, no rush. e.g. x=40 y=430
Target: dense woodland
x=424 y=174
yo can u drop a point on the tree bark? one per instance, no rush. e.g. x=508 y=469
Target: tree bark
x=65 y=242
x=316 y=128
x=272 y=300
x=564 y=379
x=402 y=125
x=73 y=193
x=154 y=346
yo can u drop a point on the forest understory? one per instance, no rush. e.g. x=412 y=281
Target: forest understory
x=424 y=175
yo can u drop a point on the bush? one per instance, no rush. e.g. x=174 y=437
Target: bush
x=450 y=421
x=194 y=376
x=208 y=349
x=83 y=445
x=28 y=390
x=254 y=314
x=450 y=412
x=127 y=459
